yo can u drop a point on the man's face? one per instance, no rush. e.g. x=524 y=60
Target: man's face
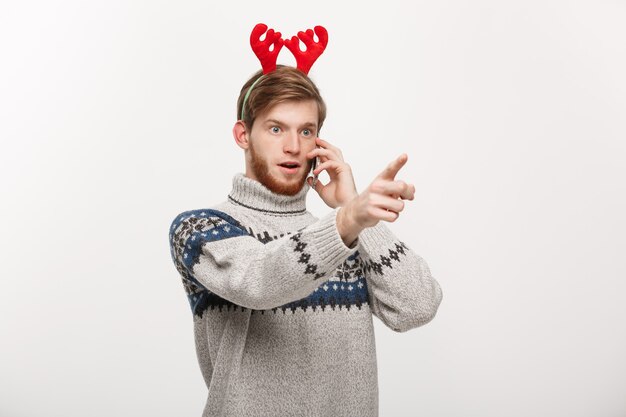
x=285 y=133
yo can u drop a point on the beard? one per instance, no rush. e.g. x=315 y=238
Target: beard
x=290 y=187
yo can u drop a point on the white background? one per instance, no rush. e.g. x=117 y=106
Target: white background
x=115 y=116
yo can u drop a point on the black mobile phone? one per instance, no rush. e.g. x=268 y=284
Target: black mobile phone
x=315 y=164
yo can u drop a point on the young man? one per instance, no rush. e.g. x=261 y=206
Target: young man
x=282 y=301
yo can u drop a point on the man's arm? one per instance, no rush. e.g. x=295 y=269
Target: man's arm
x=402 y=292
x=214 y=251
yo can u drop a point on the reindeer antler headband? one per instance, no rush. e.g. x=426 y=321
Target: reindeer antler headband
x=304 y=59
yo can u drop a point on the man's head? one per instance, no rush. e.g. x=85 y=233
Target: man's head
x=282 y=117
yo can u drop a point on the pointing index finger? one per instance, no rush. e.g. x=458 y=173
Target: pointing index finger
x=392 y=169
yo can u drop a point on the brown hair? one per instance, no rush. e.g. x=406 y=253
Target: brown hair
x=285 y=83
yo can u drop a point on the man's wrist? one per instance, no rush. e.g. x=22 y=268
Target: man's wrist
x=349 y=199
x=347 y=228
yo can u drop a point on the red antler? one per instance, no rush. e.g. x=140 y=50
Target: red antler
x=305 y=59
x=262 y=48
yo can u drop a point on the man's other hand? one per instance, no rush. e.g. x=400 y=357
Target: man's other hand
x=382 y=200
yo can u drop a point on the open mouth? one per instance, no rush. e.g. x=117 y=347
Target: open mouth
x=289 y=168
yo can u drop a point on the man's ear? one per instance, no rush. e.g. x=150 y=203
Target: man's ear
x=240 y=133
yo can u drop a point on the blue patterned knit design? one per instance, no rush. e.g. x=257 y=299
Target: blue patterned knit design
x=191 y=229
x=188 y=232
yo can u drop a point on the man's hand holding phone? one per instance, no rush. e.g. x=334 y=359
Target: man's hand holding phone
x=341 y=188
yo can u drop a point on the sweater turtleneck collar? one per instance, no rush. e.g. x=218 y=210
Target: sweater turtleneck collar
x=254 y=195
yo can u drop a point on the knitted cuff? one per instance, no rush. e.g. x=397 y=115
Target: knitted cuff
x=375 y=238
x=328 y=243
x=380 y=247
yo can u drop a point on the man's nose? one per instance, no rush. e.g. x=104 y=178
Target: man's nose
x=292 y=142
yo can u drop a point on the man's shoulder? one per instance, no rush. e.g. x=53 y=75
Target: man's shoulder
x=215 y=213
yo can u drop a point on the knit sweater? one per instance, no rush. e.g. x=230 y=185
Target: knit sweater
x=282 y=308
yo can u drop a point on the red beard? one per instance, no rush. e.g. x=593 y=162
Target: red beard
x=290 y=187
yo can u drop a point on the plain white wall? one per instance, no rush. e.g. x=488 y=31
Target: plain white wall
x=115 y=116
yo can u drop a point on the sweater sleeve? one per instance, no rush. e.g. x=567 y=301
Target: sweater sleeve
x=214 y=251
x=402 y=292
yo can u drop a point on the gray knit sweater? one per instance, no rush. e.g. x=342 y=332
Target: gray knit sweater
x=282 y=308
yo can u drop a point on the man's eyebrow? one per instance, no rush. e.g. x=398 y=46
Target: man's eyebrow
x=274 y=121
x=304 y=125
x=310 y=124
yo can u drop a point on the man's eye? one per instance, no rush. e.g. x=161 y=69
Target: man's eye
x=307 y=132
x=275 y=129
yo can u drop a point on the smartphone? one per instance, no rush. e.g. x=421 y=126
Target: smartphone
x=315 y=163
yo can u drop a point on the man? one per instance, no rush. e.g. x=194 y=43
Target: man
x=282 y=301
